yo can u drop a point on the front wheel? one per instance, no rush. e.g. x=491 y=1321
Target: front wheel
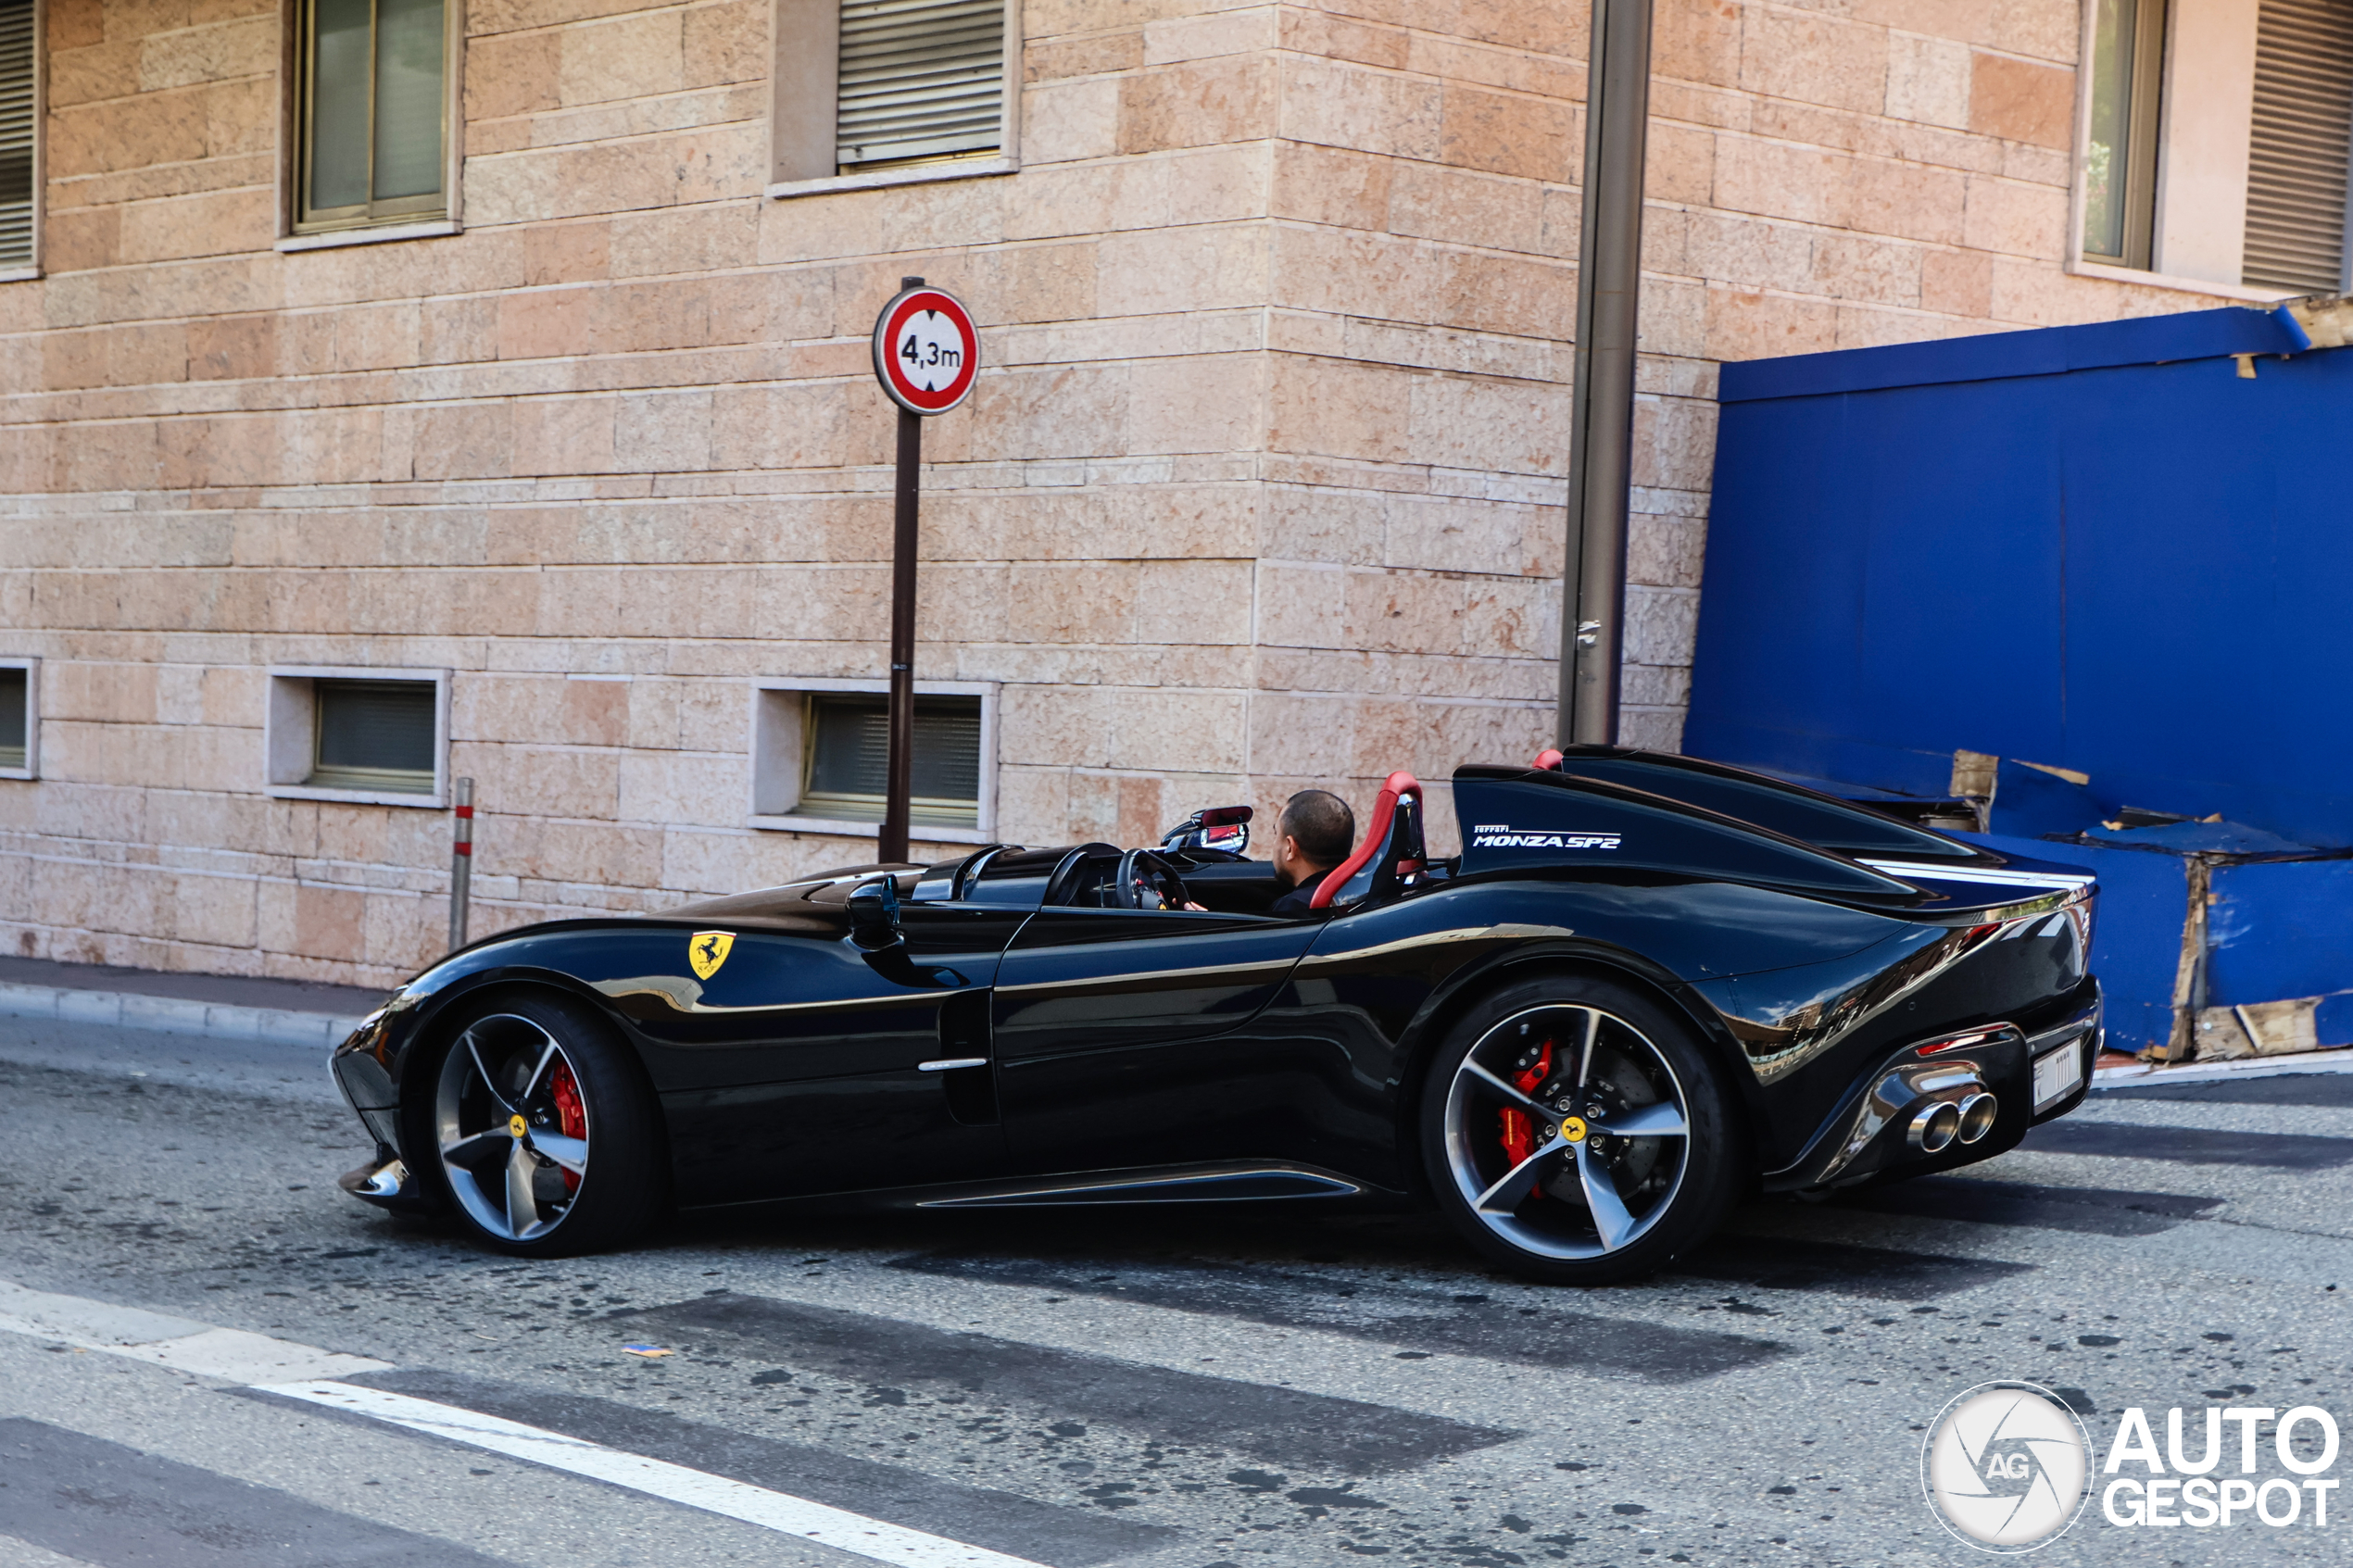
x=542 y=1131
x=1576 y=1132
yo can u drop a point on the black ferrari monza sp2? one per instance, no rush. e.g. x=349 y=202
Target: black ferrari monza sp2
x=1647 y=985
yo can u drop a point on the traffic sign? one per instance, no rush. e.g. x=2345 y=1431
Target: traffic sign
x=926 y=355
x=927 y=351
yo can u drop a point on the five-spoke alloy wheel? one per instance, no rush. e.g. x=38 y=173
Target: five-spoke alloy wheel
x=1575 y=1132
x=545 y=1141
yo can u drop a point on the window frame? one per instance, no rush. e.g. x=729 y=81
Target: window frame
x=31 y=267
x=299 y=233
x=804 y=104
x=2144 y=139
x=31 y=665
x=779 y=758
x=290 y=735
x=2079 y=263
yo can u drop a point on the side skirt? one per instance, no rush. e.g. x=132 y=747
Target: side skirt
x=1218 y=1184
x=1214 y=1182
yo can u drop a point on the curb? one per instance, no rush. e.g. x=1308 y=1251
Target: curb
x=175 y=1015
x=2339 y=1060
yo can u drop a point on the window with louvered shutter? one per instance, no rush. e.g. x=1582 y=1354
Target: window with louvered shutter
x=848 y=759
x=374 y=736
x=17 y=125
x=920 y=79
x=2303 y=132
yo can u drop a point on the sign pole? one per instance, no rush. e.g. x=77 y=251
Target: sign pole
x=898 y=797
x=926 y=353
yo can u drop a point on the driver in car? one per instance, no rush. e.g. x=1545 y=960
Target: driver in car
x=1313 y=834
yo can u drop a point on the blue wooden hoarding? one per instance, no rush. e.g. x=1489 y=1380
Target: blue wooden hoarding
x=2103 y=549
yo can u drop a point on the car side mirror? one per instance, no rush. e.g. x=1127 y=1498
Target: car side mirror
x=1223 y=828
x=873 y=915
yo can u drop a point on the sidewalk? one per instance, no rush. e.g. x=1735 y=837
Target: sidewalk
x=2142 y=1074
x=294 y=1012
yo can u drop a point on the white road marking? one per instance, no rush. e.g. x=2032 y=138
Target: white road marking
x=809 y=1521
x=235 y=1356
x=182 y=1344
x=306 y=1373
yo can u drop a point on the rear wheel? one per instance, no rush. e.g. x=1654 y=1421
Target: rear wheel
x=542 y=1132
x=1576 y=1132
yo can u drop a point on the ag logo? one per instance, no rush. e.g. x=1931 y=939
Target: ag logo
x=2007 y=1467
x=706 y=950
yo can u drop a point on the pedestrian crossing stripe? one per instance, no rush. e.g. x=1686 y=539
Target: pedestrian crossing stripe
x=835 y=1527
x=264 y=1364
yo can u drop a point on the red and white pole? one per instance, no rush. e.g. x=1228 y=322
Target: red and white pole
x=461 y=860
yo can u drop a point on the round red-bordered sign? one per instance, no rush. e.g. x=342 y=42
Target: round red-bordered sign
x=927 y=351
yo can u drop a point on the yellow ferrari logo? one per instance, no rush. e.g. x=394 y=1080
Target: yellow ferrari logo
x=708 y=950
x=516 y=1126
x=1573 y=1129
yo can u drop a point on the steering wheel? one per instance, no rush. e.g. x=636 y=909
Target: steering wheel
x=1146 y=882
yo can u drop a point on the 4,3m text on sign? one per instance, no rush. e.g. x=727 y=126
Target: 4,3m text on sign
x=927 y=351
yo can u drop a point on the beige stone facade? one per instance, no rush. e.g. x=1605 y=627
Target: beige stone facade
x=1263 y=483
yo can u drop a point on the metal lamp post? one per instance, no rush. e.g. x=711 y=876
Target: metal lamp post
x=1609 y=282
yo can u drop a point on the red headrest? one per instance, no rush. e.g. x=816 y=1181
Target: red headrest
x=1392 y=838
x=1548 y=759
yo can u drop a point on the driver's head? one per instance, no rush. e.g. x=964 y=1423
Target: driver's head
x=1314 y=833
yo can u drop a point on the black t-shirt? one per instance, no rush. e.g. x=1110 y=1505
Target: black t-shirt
x=1295 y=902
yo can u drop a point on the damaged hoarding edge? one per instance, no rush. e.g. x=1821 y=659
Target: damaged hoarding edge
x=2216 y=941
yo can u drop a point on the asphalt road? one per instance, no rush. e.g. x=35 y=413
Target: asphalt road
x=1159 y=1388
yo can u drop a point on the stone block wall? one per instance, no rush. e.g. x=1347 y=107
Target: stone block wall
x=1262 y=485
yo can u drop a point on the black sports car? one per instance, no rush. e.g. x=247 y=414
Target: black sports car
x=1647 y=983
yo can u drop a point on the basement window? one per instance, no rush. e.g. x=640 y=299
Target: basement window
x=848 y=759
x=379 y=736
x=822 y=759
x=373 y=735
x=19 y=721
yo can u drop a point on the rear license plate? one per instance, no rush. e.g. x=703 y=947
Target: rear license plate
x=2057 y=1074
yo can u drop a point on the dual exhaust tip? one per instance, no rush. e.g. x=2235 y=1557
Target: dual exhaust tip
x=1937 y=1124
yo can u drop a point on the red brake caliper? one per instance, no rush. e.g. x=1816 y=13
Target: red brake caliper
x=572 y=1117
x=1520 y=1133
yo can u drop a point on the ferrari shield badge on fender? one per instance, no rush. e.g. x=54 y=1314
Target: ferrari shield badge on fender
x=706 y=950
